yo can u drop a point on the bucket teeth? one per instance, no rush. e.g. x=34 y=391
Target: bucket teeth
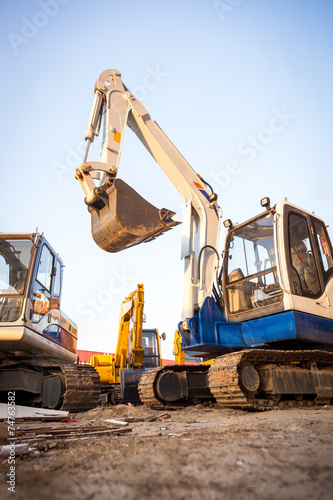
x=127 y=219
x=166 y=214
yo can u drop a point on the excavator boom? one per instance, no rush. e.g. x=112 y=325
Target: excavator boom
x=120 y=217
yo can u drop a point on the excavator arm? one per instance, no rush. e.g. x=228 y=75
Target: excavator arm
x=121 y=217
x=137 y=351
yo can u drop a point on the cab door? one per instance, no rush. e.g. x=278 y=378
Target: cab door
x=41 y=289
x=325 y=258
x=309 y=262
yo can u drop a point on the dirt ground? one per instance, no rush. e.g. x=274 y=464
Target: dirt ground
x=194 y=453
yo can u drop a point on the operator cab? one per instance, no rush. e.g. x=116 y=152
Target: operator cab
x=30 y=292
x=275 y=261
x=150 y=343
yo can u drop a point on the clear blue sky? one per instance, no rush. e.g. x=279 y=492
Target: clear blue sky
x=243 y=89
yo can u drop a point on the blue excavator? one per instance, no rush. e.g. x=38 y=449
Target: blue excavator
x=260 y=314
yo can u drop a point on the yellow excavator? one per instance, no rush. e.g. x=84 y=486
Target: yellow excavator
x=137 y=350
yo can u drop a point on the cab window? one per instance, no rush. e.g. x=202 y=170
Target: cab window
x=44 y=274
x=302 y=256
x=252 y=280
x=150 y=345
x=325 y=249
x=57 y=279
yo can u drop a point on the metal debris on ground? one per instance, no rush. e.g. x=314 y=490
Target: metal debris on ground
x=68 y=430
x=162 y=416
x=116 y=422
x=19 y=449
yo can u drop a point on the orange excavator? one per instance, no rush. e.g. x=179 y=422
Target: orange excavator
x=38 y=340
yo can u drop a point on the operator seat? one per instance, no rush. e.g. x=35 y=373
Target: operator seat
x=237 y=299
x=303 y=262
x=10 y=307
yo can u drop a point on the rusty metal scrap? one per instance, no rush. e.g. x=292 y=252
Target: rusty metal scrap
x=67 y=430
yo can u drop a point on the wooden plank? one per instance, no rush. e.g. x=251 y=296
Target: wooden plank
x=66 y=430
x=73 y=435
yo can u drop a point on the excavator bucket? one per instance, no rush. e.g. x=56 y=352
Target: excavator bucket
x=127 y=219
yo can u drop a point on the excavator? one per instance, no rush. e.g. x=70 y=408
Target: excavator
x=137 y=350
x=37 y=340
x=262 y=310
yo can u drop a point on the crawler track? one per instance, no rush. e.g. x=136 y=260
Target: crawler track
x=82 y=388
x=226 y=385
x=253 y=379
x=147 y=385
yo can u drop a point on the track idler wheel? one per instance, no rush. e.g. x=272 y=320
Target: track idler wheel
x=52 y=391
x=250 y=378
x=171 y=386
